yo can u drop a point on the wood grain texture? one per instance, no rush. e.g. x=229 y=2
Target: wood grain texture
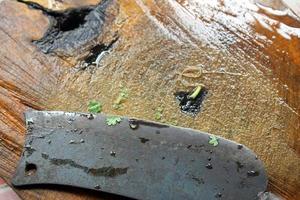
x=249 y=57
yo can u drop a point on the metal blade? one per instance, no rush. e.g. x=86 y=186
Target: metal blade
x=135 y=158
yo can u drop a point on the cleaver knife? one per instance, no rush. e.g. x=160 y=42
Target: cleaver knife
x=136 y=158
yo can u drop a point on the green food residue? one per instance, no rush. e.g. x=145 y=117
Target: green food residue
x=213 y=140
x=94 y=106
x=196 y=91
x=174 y=122
x=123 y=95
x=158 y=113
x=113 y=120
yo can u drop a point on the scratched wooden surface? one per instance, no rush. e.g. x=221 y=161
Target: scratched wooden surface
x=249 y=53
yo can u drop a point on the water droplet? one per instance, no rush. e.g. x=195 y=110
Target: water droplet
x=81 y=140
x=239 y=146
x=133 y=123
x=209 y=166
x=252 y=173
x=49 y=141
x=70 y=120
x=30 y=122
x=219 y=195
x=112 y=153
x=97 y=187
x=71 y=141
x=90 y=116
x=163 y=158
x=209 y=158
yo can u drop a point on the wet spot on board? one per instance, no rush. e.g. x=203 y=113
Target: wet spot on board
x=188 y=105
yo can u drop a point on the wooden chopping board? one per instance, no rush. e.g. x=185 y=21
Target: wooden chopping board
x=247 y=55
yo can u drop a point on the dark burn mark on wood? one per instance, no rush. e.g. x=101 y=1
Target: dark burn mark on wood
x=188 y=105
x=97 y=50
x=102 y=171
x=71 y=29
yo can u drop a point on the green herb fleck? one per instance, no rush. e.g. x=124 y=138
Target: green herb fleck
x=123 y=95
x=113 y=120
x=94 y=106
x=174 y=122
x=213 y=140
x=158 y=113
x=196 y=91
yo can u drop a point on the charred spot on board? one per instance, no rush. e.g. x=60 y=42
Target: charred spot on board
x=189 y=105
x=97 y=50
x=74 y=29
